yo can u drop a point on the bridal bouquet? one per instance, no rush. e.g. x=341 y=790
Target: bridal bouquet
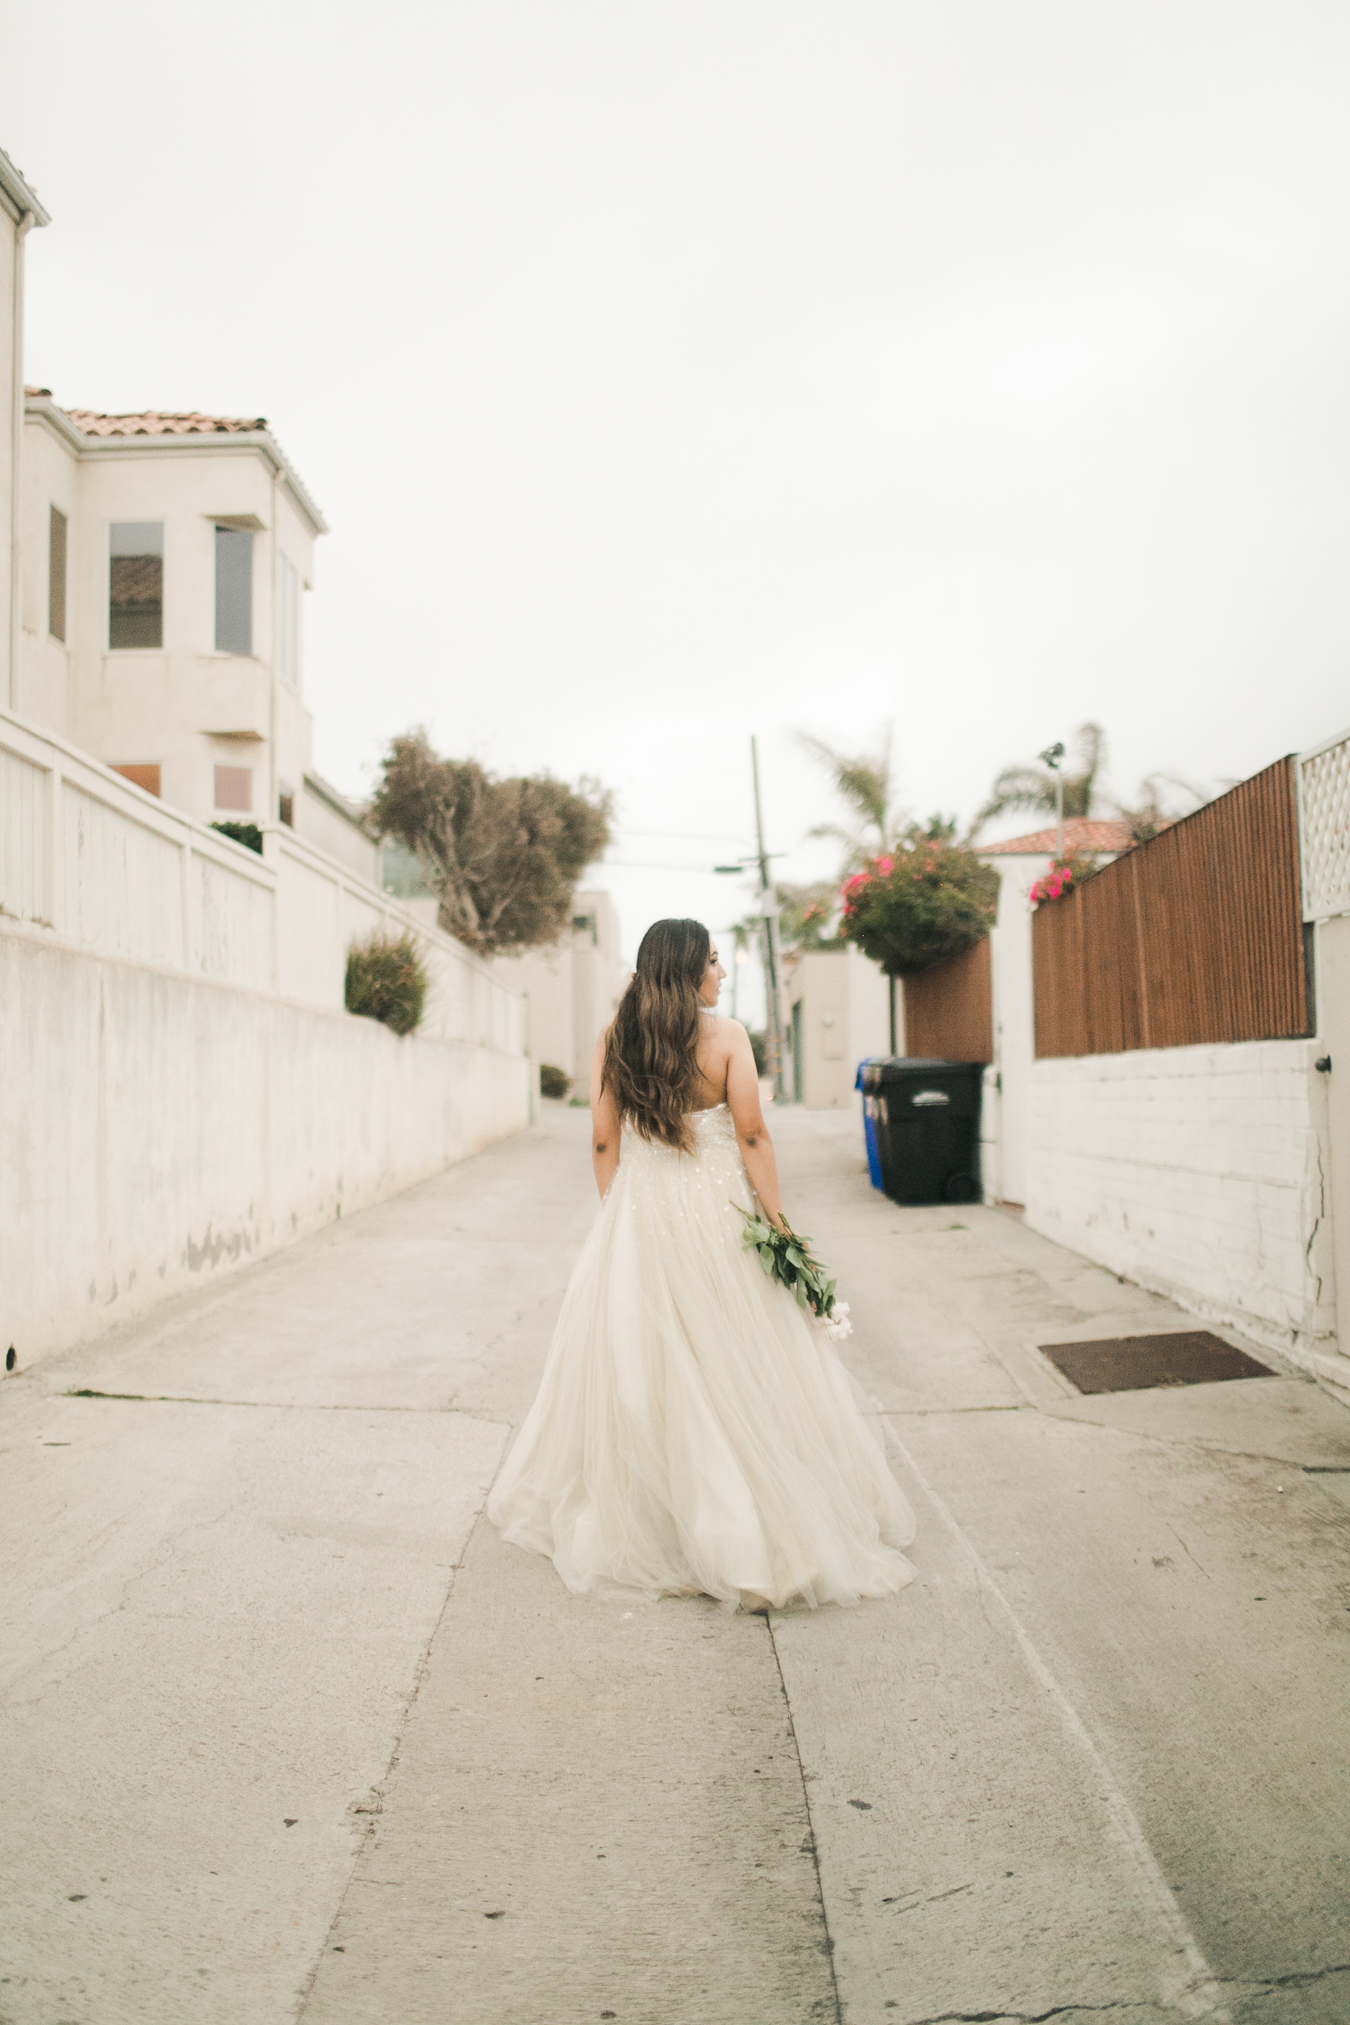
x=789 y=1259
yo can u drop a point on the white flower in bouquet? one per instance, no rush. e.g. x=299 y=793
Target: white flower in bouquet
x=836 y=1324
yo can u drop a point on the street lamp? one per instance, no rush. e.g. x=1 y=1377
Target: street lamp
x=1053 y=757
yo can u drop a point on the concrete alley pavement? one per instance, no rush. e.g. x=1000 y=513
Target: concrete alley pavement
x=292 y=1735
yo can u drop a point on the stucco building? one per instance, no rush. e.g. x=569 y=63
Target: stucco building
x=164 y=560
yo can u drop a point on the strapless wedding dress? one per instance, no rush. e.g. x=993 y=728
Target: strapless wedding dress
x=694 y=1431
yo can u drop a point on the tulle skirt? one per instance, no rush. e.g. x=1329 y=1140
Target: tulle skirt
x=694 y=1430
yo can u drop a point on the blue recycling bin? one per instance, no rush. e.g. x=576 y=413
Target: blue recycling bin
x=869 y=1105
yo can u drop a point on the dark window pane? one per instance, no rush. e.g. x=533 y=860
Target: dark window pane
x=56 y=577
x=136 y=584
x=234 y=591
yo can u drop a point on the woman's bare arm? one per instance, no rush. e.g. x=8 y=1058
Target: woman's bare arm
x=604 y=1123
x=748 y=1117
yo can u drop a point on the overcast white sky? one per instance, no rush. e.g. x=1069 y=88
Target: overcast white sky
x=673 y=371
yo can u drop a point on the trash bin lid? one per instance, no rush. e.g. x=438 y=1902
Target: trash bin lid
x=884 y=1069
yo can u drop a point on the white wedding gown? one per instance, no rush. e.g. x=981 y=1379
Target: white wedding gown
x=694 y=1431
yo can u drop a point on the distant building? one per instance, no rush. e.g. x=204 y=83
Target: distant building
x=837 y=1014
x=574 y=986
x=164 y=557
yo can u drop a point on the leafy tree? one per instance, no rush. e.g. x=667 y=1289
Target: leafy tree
x=1032 y=786
x=504 y=856
x=808 y=915
x=928 y=899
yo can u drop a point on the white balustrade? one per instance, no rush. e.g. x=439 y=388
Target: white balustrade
x=90 y=859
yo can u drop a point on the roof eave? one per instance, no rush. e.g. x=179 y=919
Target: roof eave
x=19 y=198
x=45 y=409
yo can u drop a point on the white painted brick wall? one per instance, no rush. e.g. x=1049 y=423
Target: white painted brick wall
x=1198 y=1172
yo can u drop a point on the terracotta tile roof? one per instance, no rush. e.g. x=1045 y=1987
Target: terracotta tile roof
x=155 y=424
x=1081 y=833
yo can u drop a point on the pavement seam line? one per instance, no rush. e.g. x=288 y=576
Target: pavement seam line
x=810 y=1823
x=1200 y=1996
x=273 y=1405
x=419 y=1676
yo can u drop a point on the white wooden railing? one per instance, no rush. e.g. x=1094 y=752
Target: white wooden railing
x=94 y=861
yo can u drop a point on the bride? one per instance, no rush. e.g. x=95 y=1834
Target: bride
x=694 y=1431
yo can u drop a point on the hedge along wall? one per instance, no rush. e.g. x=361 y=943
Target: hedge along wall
x=1191 y=939
x=949 y=1008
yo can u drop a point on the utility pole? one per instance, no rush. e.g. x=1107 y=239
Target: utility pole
x=768 y=908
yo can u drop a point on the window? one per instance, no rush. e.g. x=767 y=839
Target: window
x=136 y=584
x=145 y=776
x=234 y=591
x=286 y=805
x=288 y=621
x=56 y=577
x=234 y=788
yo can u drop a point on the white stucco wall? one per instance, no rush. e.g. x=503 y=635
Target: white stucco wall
x=323 y=822
x=845 y=1017
x=156 y=1130
x=1199 y=1172
x=1005 y=1113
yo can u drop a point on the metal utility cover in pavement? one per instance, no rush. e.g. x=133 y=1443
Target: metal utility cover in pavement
x=1134 y=1363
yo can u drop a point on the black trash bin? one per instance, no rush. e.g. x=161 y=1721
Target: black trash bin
x=928 y=1127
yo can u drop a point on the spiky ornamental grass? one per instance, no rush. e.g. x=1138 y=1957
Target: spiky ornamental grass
x=787 y=1257
x=387 y=980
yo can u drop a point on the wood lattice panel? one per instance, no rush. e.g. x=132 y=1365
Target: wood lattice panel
x=1324 y=788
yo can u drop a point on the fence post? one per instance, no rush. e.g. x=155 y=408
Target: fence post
x=54 y=896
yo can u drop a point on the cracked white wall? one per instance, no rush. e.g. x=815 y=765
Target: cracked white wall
x=1201 y=1173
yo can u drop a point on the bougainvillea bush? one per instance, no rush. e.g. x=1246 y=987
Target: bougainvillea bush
x=915 y=905
x=1065 y=873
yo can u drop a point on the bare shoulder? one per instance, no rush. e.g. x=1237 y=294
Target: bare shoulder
x=727 y=1034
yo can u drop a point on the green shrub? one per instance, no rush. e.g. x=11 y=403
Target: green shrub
x=387 y=980
x=553 y=1082
x=247 y=834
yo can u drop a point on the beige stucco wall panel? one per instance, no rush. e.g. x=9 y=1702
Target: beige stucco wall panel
x=167 y=1129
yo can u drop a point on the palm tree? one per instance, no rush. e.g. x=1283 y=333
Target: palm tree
x=864 y=783
x=1154 y=809
x=1032 y=786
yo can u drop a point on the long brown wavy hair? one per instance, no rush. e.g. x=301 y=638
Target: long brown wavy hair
x=651 y=1050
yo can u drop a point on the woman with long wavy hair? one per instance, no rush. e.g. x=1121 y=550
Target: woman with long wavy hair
x=694 y=1432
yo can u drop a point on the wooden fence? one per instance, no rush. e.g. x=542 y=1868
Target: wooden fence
x=949 y=1008
x=1195 y=937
